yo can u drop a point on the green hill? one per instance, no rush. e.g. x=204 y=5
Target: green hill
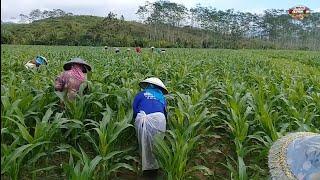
x=99 y=31
x=93 y=30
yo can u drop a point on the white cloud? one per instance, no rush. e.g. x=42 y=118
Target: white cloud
x=12 y=8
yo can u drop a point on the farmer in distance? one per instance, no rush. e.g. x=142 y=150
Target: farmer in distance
x=138 y=49
x=73 y=76
x=36 y=63
x=149 y=112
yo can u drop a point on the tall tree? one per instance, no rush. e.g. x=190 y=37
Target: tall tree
x=35 y=14
x=162 y=12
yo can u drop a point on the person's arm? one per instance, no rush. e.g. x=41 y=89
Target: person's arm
x=135 y=105
x=59 y=83
x=86 y=89
x=165 y=110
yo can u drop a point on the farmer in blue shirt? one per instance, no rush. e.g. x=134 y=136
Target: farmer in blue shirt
x=149 y=108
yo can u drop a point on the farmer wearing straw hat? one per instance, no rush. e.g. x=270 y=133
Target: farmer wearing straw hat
x=295 y=156
x=149 y=112
x=37 y=62
x=73 y=76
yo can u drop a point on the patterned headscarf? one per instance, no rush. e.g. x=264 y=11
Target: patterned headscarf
x=76 y=71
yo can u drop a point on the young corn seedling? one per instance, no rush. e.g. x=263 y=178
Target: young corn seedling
x=265 y=113
x=14 y=158
x=173 y=153
x=237 y=114
x=104 y=137
x=44 y=129
x=84 y=168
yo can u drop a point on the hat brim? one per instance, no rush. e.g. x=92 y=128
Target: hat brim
x=67 y=66
x=277 y=157
x=45 y=59
x=145 y=84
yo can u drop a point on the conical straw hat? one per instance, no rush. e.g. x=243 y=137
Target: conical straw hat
x=154 y=81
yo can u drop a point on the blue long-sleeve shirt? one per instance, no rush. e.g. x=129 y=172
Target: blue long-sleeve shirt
x=143 y=102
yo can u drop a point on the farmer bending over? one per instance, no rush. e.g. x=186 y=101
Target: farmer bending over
x=73 y=76
x=37 y=62
x=149 y=108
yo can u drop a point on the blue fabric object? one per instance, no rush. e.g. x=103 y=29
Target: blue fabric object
x=303 y=157
x=39 y=60
x=149 y=101
x=156 y=92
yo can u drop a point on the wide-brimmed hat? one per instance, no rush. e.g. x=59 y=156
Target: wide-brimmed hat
x=68 y=65
x=155 y=81
x=295 y=156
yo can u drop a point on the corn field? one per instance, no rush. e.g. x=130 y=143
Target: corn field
x=225 y=109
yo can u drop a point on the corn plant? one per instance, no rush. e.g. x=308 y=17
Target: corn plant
x=78 y=108
x=84 y=168
x=236 y=116
x=247 y=98
x=173 y=153
x=44 y=129
x=14 y=158
x=108 y=131
x=266 y=115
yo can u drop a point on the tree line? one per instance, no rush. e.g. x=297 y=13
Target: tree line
x=168 y=24
x=274 y=27
x=37 y=14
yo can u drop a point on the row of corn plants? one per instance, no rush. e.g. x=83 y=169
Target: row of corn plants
x=225 y=108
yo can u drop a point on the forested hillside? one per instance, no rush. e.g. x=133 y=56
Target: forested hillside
x=92 y=30
x=166 y=24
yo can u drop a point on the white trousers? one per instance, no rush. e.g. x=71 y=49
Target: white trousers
x=146 y=127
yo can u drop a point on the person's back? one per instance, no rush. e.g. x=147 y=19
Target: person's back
x=149 y=107
x=71 y=79
x=145 y=101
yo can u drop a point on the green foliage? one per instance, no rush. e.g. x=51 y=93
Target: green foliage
x=108 y=137
x=225 y=109
x=168 y=25
x=84 y=167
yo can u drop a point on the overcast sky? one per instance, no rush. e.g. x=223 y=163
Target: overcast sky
x=12 y=8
